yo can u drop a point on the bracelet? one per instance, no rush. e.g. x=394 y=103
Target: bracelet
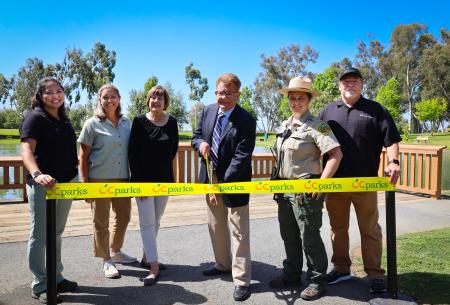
x=395 y=161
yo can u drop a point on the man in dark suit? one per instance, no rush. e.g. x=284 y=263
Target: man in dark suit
x=226 y=135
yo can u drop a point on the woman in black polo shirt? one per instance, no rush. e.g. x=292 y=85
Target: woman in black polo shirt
x=48 y=145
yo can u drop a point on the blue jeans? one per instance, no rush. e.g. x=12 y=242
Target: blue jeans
x=37 y=241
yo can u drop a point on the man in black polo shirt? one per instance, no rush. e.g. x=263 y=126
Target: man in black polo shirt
x=362 y=127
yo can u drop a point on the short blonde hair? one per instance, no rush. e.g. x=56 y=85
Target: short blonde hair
x=229 y=78
x=159 y=91
x=99 y=111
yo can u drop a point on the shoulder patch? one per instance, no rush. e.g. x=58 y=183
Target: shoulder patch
x=324 y=128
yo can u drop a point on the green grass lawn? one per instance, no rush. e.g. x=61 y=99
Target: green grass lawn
x=423 y=266
x=9 y=132
x=435 y=139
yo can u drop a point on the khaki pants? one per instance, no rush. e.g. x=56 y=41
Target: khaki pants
x=366 y=208
x=103 y=238
x=231 y=253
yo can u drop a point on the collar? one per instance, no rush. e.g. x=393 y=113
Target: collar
x=340 y=103
x=301 y=120
x=227 y=113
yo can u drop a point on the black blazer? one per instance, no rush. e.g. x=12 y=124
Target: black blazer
x=235 y=149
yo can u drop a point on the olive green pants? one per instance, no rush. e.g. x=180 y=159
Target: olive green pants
x=300 y=219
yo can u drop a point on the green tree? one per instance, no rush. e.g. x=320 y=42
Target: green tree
x=9 y=119
x=78 y=114
x=407 y=44
x=77 y=73
x=430 y=111
x=198 y=85
x=138 y=98
x=176 y=107
x=245 y=101
x=194 y=114
x=327 y=84
x=390 y=96
x=289 y=62
x=434 y=71
x=5 y=87
x=24 y=84
x=367 y=61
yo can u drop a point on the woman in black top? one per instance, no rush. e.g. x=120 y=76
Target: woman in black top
x=151 y=150
x=49 y=153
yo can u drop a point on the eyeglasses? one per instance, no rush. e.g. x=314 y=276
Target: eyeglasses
x=297 y=99
x=225 y=93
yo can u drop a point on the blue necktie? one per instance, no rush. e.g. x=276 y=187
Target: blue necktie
x=216 y=139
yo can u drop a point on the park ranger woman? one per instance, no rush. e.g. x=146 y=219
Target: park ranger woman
x=299 y=145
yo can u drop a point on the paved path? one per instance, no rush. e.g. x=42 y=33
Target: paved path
x=187 y=251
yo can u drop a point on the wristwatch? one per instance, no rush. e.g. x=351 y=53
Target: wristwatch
x=36 y=174
x=395 y=161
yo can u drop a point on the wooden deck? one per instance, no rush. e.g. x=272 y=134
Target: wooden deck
x=180 y=211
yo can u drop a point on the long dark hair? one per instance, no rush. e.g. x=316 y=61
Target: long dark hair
x=38 y=100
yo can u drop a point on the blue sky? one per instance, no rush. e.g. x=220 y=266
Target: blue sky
x=161 y=38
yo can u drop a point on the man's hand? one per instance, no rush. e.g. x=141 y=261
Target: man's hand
x=393 y=170
x=204 y=149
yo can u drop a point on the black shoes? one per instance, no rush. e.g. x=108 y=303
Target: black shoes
x=284 y=281
x=334 y=277
x=66 y=286
x=214 y=271
x=377 y=286
x=148 y=281
x=241 y=293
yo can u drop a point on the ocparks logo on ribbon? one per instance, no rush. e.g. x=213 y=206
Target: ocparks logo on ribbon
x=329 y=185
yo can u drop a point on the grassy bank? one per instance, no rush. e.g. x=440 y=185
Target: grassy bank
x=435 y=139
x=423 y=266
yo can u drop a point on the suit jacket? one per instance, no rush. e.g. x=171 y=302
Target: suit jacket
x=235 y=149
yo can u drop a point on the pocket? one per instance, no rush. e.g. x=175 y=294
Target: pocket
x=294 y=142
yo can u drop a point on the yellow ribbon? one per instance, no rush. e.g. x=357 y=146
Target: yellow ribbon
x=117 y=189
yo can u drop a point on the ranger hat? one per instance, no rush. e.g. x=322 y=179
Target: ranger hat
x=300 y=84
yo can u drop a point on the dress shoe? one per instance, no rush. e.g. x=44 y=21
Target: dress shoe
x=241 y=293
x=284 y=281
x=148 y=281
x=66 y=286
x=214 y=271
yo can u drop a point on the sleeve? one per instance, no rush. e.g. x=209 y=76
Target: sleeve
x=31 y=127
x=175 y=137
x=87 y=134
x=134 y=147
x=197 y=135
x=389 y=131
x=324 y=138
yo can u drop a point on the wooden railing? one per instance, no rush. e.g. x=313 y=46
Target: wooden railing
x=187 y=163
x=421 y=168
x=18 y=175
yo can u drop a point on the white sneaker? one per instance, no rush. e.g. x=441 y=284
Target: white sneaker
x=122 y=258
x=110 y=269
